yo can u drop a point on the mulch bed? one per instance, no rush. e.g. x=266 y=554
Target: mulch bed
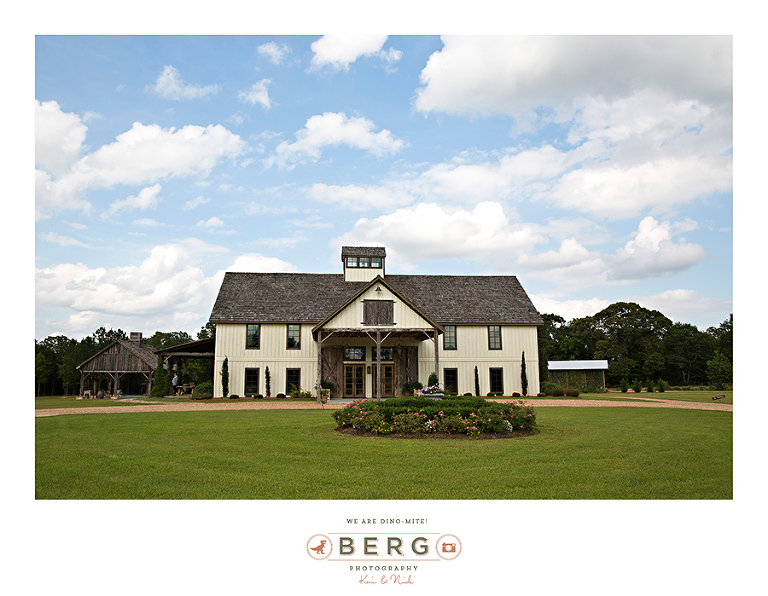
x=517 y=434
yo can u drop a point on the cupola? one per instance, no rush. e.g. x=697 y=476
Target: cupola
x=363 y=263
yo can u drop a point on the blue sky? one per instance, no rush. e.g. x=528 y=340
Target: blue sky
x=596 y=169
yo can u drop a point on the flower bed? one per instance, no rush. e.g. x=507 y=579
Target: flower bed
x=421 y=416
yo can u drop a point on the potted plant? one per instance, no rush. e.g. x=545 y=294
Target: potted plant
x=433 y=391
x=326 y=388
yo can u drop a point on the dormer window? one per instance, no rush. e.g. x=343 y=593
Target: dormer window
x=351 y=261
x=363 y=263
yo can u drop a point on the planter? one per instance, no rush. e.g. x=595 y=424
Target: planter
x=325 y=395
x=433 y=395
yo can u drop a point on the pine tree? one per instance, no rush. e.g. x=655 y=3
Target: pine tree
x=225 y=377
x=524 y=377
x=161 y=381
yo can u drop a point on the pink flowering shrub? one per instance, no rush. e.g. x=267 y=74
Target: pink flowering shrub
x=469 y=416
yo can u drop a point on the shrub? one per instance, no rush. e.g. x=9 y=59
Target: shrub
x=649 y=386
x=280 y=396
x=467 y=395
x=637 y=386
x=258 y=396
x=268 y=381
x=662 y=385
x=477 y=383
x=408 y=388
x=299 y=393
x=433 y=380
x=234 y=396
x=203 y=390
x=414 y=415
x=572 y=392
x=624 y=385
x=515 y=394
x=547 y=387
x=558 y=391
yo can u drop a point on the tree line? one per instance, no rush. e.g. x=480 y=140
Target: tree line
x=57 y=358
x=640 y=344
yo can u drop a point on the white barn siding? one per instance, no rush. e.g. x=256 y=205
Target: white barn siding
x=472 y=350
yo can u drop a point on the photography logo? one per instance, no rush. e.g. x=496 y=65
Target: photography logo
x=448 y=547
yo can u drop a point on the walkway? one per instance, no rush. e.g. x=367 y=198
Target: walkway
x=198 y=406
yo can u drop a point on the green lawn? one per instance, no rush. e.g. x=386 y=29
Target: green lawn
x=580 y=453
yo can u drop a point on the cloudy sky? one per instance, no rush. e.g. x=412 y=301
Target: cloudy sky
x=596 y=169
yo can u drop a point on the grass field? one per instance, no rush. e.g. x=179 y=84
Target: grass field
x=579 y=453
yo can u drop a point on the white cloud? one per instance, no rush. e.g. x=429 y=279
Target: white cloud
x=274 y=52
x=213 y=222
x=653 y=253
x=258 y=263
x=686 y=306
x=62 y=240
x=166 y=282
x=429 y=231
x=568 y=309
x=146 y=199
x=332 y=129
x=59 y=137
x=515 y=75
x=339 y=51
x=143 y=154
x=170 y=85
x=257 y=94
x=194 y=203
x=358 y=198
x=148 y=222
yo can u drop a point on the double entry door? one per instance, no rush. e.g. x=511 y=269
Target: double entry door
x=354 y=380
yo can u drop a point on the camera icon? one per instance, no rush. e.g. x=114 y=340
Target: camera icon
x=448 y=547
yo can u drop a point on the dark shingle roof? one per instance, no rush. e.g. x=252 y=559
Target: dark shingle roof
x=311 y=297
x=363 y=251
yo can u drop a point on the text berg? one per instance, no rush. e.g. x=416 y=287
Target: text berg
x=419 y=546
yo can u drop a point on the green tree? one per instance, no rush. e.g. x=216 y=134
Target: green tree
x=723 y=336
x=719 y=371
x=686 y=351
x=225 y=377
x=630 y=334
x=161 y=340
x=161 y=381
x=207 y=331
x=548 y=341
x=524 y=377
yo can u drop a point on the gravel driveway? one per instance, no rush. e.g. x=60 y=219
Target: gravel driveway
x=642 y=402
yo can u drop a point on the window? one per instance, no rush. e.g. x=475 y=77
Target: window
x=294 y=337
x=449 y=338
x=386 y=354
x=365 y=262
x=376 y=262
x=378 y=312
x=497 y=380
x=252 y=337
x=251 y=381
x=451 y=380
x=354 y=353
x=494 y=337
x=351 y=261
x=292 y=380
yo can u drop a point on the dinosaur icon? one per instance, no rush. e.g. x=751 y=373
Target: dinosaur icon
x=319 y=548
